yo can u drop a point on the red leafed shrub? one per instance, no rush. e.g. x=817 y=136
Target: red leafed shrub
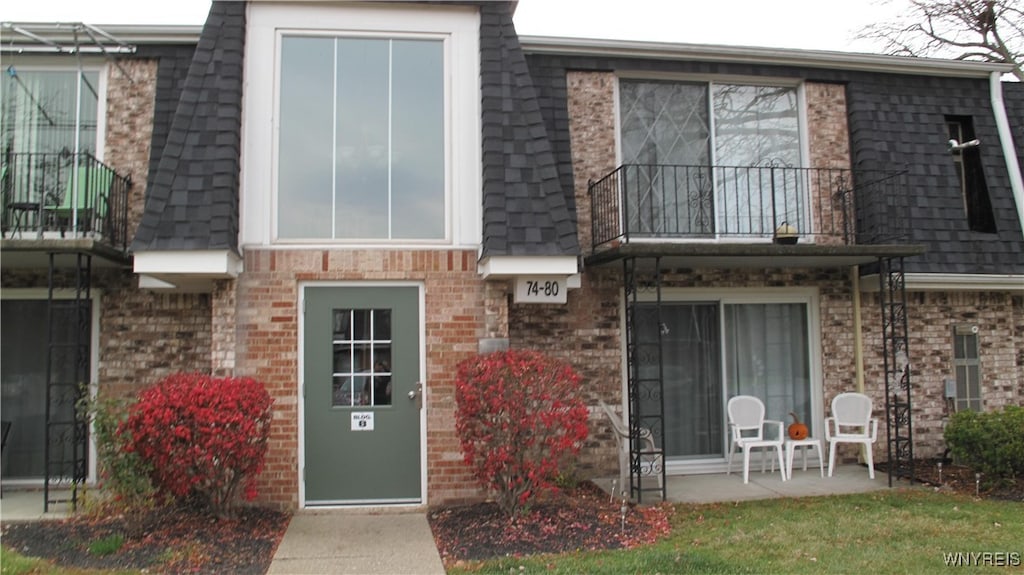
x=518 y=416
x=202 y=436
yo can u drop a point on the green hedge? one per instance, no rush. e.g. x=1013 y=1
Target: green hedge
x=991 y=442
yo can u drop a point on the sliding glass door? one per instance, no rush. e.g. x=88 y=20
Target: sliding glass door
x=714 y=350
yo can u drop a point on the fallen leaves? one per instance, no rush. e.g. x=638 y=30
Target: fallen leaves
x=582 y=518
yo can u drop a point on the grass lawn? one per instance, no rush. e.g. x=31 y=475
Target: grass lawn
x=13 y=563
x=899 y=531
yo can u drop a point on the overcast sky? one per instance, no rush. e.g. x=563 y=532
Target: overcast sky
x=806 y=24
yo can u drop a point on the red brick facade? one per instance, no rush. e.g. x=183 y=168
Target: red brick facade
x=267 y=330
x=592 y=130
x=931 y=318
x=249 y=326
x=129 y=116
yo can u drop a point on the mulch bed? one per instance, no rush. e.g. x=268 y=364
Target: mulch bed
x=959 y=479
x=185 y=540
x=163 y=540
x=582 y=518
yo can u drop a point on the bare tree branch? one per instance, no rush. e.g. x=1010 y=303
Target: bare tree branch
x=982 y=30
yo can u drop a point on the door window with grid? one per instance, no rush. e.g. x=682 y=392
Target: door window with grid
x=362 y=357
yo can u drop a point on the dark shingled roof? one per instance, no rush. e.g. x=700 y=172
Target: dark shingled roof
x=525 y=208
x=192 y=200
x=170 y=79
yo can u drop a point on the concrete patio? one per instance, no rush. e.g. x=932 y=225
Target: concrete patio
x=716 y=487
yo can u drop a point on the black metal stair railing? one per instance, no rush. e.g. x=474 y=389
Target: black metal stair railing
x=829 y=205
x=896 y=363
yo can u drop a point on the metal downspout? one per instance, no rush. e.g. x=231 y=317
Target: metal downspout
x=858 y=340
x=1006 y=140
x=858 y=337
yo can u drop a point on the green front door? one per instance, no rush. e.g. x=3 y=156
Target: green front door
x=361 y=366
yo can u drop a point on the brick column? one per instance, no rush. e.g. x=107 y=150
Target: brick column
x=222 y=320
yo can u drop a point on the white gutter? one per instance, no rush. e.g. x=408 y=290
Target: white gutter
x=1006 y=139
x=760 y=55
x=48 y=37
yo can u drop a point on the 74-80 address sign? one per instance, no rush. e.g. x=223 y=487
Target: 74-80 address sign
x=540 y=289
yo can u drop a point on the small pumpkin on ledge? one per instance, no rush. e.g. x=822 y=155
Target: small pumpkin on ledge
x=796 y=429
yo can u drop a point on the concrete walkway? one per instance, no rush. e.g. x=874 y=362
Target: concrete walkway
x=349 y=541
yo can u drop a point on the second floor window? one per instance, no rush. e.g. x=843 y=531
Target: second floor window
x=362 y=140
x=711 y=158
x=967 y=365
x=970 y=177
x=49 y=111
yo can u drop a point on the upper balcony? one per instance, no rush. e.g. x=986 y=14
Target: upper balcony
x=62 y=202
x=740 y=215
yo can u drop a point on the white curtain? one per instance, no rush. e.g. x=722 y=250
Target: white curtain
x=39 y=111
x=39 y=119
x=766 y=353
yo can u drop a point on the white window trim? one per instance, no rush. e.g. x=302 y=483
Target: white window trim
x=460 y=28
x=808 y=296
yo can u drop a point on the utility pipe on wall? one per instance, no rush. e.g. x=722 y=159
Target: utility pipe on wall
x=858 y=339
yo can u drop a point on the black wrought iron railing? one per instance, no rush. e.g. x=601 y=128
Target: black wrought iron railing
x=64 y=195
x=823 y=205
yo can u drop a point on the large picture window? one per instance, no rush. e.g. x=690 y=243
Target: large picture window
x=361 y=148
x=711 y=159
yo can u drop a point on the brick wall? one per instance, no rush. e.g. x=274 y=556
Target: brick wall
x=591 y=104
x=586 y=333
x=931 y=317
x=829 y=145
x=143 y=335
x=223 y=327
x=130 y=106
x=267 y=346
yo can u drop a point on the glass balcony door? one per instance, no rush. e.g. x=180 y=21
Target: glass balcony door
x=709 y=159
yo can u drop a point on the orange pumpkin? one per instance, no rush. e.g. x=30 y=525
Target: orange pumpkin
x=796 y=429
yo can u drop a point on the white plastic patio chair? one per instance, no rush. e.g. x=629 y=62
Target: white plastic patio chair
x=652 y=458
x=747 y=429
x=851 y=422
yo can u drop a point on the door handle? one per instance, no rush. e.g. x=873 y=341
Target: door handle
x=417 y=395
